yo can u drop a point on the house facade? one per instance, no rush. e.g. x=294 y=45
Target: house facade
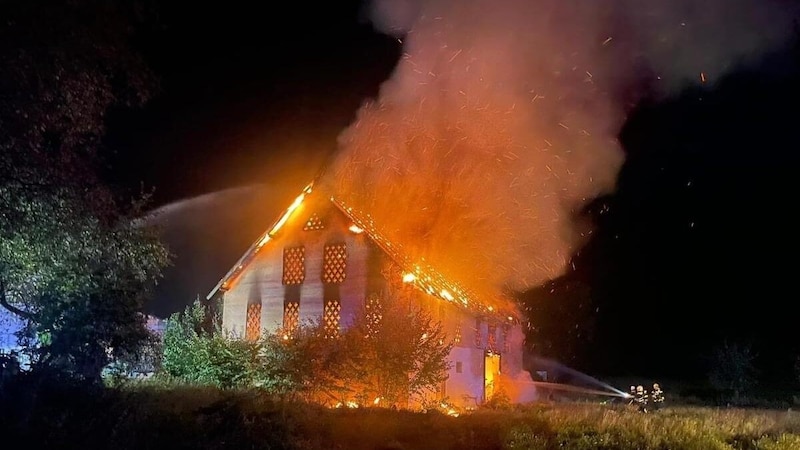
x=323 y=261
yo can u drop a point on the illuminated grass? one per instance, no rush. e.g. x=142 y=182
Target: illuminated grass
x=187 y=417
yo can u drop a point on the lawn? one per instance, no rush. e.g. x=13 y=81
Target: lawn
x=186 y=417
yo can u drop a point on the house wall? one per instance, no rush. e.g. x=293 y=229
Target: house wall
x=261 y=282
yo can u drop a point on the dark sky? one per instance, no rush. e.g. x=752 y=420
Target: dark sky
x=253 y=97
x=248 y=92
x=697 y=245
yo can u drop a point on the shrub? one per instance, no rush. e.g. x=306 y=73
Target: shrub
x=194 y=355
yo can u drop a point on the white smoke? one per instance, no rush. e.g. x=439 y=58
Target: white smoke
x=500 y=121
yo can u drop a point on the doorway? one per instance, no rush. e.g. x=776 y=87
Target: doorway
x=491 y=364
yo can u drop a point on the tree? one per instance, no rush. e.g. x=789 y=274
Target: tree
x=301 y=362
x=74 y=264
x=403 y=355
x=732 y=368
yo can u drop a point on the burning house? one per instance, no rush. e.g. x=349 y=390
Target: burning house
x=324 y=261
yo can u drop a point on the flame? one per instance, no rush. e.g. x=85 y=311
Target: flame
x=285 y=216
x=420 y=273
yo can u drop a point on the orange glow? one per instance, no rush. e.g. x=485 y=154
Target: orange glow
x=285 y=216
x=421 y=274
x=263 y=241
x=356 y=229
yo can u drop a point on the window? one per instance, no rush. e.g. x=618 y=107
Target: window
x=459 y=367
x=457 y=337
x=506 y=344
x=374 y=311
x=291 y=317
x=253 y=326
x=334 y=263
x=314 y=223
x=331 y=317
x=491 y=339
x=294 y=265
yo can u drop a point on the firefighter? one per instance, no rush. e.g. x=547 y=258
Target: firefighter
x=657 y=396
x=632 y=395
x=641 y=398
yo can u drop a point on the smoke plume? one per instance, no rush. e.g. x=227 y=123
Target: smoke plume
x=500 y=121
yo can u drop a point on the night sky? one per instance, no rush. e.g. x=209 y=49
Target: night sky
x=696 y=246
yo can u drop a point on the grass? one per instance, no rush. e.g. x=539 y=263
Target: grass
x=145 y=417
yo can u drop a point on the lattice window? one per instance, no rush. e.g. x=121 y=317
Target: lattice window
x=334 y=263
x=506 y=332
x=331 y=317
x=478 y=336
x=491 y=340
x=291 y=317
x=253 y=329
x=314 y=223
x=294 y=265
x=457 y=337
x=374 y=311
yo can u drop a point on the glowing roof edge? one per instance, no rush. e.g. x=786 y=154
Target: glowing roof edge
x=263 y=239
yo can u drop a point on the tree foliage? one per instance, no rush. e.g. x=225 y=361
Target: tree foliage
x=400 y=357
x=196 y=355
x=404 y=355
x=74 y=264
x=733 y=369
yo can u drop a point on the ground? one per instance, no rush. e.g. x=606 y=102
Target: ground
x=187 y=417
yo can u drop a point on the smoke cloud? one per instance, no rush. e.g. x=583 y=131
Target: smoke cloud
x=500 y=121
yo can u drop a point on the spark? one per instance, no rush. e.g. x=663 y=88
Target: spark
x=607 y=40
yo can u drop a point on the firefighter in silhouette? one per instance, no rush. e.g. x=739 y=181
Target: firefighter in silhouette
x=641 y=398
x=657 y=396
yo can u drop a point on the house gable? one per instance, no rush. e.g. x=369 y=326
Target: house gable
x=310 y=213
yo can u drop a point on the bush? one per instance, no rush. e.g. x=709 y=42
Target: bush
x=400 y=357
x=197 y=356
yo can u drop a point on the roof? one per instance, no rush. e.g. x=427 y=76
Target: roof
x=418 y=273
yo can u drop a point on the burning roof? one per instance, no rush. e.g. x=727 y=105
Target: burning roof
x=417 y=273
